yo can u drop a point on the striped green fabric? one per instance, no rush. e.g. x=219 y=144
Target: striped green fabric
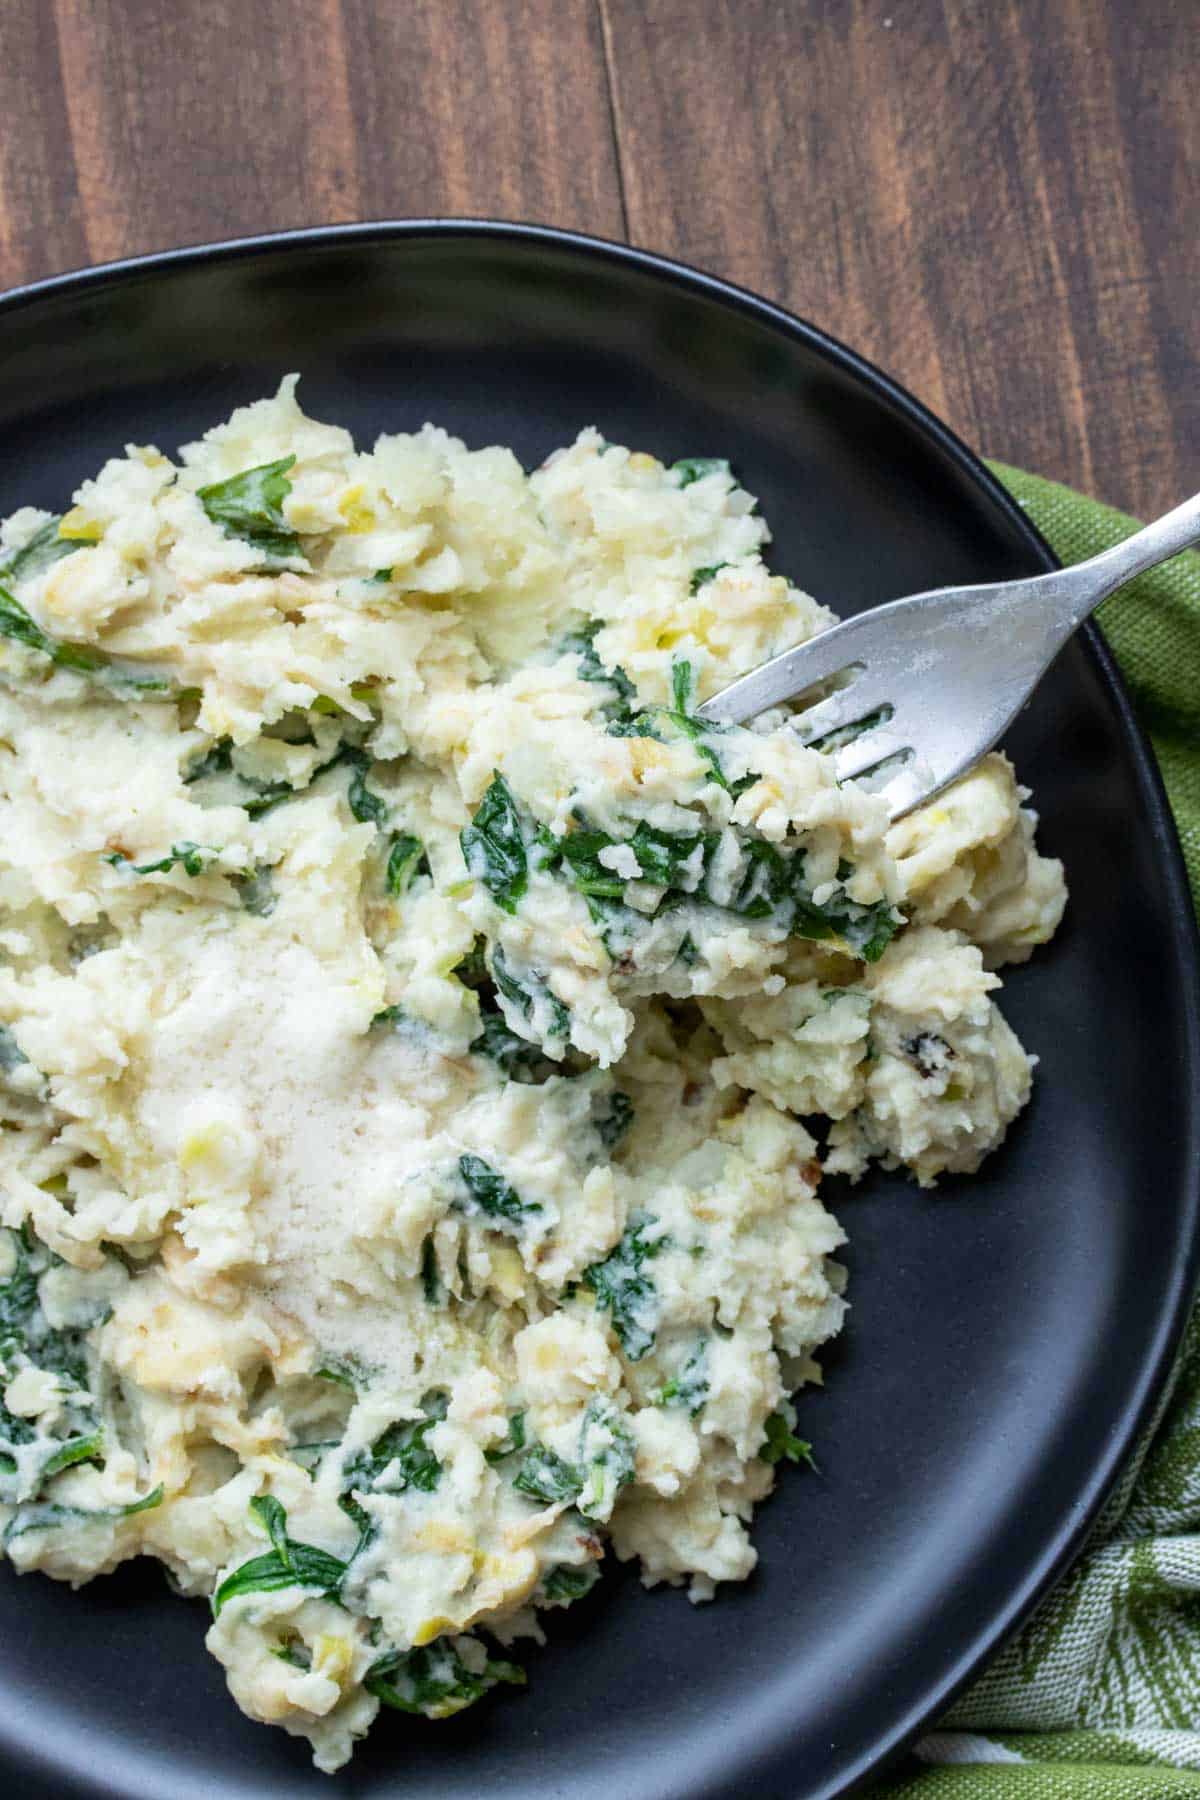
x=1098 y=1697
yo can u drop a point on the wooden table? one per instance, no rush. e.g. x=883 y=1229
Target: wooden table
x=998 y=200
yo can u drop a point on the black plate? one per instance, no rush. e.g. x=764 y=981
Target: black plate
x=1008 y=1332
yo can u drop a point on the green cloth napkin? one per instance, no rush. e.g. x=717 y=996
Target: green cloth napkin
x=1098 y=1697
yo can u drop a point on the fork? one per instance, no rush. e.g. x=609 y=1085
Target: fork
x=922 y=687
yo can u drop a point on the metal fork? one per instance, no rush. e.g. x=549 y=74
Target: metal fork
x=922 y=687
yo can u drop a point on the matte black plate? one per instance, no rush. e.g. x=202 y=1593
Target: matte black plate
x=1007 y=1333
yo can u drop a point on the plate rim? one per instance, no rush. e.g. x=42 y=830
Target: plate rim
x=1069 y=1538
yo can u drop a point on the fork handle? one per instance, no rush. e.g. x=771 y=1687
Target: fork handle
x=1094 y=580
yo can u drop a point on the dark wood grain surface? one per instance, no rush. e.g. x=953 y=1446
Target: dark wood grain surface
x=998 y=200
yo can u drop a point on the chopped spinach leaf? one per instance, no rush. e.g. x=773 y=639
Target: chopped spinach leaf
x=582 y=645
x=868 y=930
x=406 y=860
x=217 y=760
x=661 y=857
x=614 y=1120
x=45 y=1515
x=42 y=551
x=431 y=1281
x=689 y=1386
x=698 y=732
x=493 y=846
x=310 y=1456
x=267 y=795
x=530 y=994
x=580 y=852
x=510 y=1444
x=846 y=734
x=695 y=468
x=519 y=1058
x=17 y=624
x=547 y=1477
x=771 y=884
x=193 y=858
x=606 y=1457
x=664 y=857
x=75 y=1450
x=368 y=808
x=402 y=1455
x=286 y=1564
x=514 y=1056
x=434 y=1679
x=248 y=506
x=472 y=969
x=256 y=890
x=779 y=1442
x=263 y=796
x=345 y=1373
x=604 y=1465
x=701 y=577
x=390 y=1015
x=683 y=685
x=570 y=1581
x=27 y=1460
x=621 y=1286
x=490 y=1193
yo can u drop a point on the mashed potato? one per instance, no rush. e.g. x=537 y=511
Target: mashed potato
x=408 y=1009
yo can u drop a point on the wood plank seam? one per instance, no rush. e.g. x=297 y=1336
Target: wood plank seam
x=614 y=124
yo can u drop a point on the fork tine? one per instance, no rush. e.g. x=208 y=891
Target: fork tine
x=906 y=789
x=867 y=751
x=805 y=666
x=841 y=707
